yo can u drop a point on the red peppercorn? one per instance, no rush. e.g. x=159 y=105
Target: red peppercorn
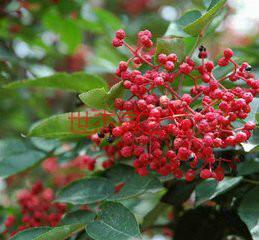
x=117 y=131
x=172 y=57
x=205 y=173
x=169 y=66
x=116 y=42
x=190 y=175
x=123 y=66
x=162 y=58
x=223 y=62
x=120 y=34
x=228 y=53
x=157 y=117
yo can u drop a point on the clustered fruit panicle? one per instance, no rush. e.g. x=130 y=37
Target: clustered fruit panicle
x=172 y=132
x=36 y=203
x=37 y=209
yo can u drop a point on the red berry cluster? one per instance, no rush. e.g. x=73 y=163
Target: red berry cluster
x=8 y=223
x=37 y=208
x=62 y=174
x=173 y=132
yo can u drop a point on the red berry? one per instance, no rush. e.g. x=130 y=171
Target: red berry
x=127 y=138
x=117 y=131
x=137 y=60
x=223 y=62
x=205 y=173
x=228 y=53
x=123 y=66
x=186 y=124
x=169 y=66
x=127 y=84
x=185 y=68
x=205 y=77
x=241 y=137
x=142 y=172
x=120 y=34
x=126 y=151
x=172 y=57
x=118 y=103
x=209 y=66
x=162 y=58
x=159 y=81
x=190 y=175
x=203 y=55
x=155 y=113
x=116 y=42
x=249 y=125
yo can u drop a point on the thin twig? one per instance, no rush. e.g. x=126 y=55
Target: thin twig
x=251 y=181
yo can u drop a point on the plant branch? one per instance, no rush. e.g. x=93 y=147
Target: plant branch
x=251 y=181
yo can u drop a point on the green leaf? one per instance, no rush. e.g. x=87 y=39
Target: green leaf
x=252 y=143
x=255 y=232
x=210 y=188
x=86 y=191
x=189 y=44
x=115 y=222
x=220 y=72
x=212 y=4
x=195 y=28
x=254 y=110
x=46 y=145
x=101 y=99
x=199 y=3
x=83 y=236
x=30 y=233
x=249 y=209
x=189 y=17
x=60 y=233
x=179 y=192
x=134 y=183
x=216 y=23
x=97 y=189
x=90 y=26
x=68 y=29
x=70 y=125
x=17 y=155
x=175 y=30
x=95 y=98
x=78 y=217
x=248 y=167
x=108 y=20
x=78 y=82
x=154 y=214
x=171 y=45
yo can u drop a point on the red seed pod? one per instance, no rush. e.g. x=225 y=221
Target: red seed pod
x=162 y=58
x=169 y=66
x=205 y=173
x=172 y=57
x=228 y=53
x=120 y=34
x=116 y=42
x=223 y=62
